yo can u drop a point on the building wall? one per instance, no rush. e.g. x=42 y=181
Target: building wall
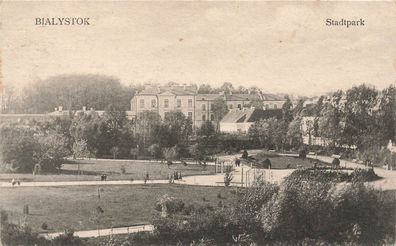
x=236 y=104
x=273 y=104
x=235 y=127
x=203 y=111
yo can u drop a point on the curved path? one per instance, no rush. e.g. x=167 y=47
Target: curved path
x=104 y=232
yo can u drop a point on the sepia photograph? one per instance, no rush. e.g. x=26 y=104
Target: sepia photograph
x=197 y=123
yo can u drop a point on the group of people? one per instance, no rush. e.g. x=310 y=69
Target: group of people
x=175 y=176
x=15 y=181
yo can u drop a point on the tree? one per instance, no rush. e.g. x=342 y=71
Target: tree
x=387 y=114
x=75 y=91
x=294 y=134
x=330 y=123
x=115 y=151
x=360 y=115
x=17 y=147
x=171 y=154
x=155 y=150
x=205 y=89
x=175 y=130
x=287 y=113
x=52 y=151
x=146 y=128
x=80 y=149
x=219 y=109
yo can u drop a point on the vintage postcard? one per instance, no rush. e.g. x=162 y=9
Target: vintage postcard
x=197 y=123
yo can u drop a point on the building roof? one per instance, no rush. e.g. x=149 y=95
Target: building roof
x=250 y=115
x=272 y=97
x=174 y=89
x=208 y=97
x=241 y=97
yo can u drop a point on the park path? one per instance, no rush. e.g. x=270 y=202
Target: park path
x=388 y=177
x=104 y=232
x=242 y=175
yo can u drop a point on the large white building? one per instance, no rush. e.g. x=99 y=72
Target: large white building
x=197 y=107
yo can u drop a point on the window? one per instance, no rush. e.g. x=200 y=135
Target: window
x=230 y=106
x=204 y=117
x=141 y=103
x=266 y=106
x=211 y=106
x=275 y=106
x=212 y=117
x=178 y=103
x=239 y=106
x=203 y=107
x=190 y=115
x=153 y=103
x=166 y=103
x=190 y=103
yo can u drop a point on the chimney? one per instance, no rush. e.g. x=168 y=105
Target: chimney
x=56 y=109
x=60 y=108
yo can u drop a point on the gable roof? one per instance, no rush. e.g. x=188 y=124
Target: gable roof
x=208 y=97
x=241 y=97
x=250 y=115
x=272 y=97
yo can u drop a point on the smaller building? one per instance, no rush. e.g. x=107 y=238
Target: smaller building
x=240 y=120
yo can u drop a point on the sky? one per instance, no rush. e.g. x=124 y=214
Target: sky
x=282 y=47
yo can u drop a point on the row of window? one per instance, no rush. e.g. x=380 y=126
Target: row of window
x=190 y=115
x=166 y=103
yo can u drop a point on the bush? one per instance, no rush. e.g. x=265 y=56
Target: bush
x=363 y=175
x=321 y=210
x=44 y=226
x=173 y=205
x=317 y=175
x=302 y=154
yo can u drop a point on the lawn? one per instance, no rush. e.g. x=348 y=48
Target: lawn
x=92 y=169
x=286 y=162
x=72 y=207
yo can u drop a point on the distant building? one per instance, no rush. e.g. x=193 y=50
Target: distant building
x=240 y=120
x=197 y=107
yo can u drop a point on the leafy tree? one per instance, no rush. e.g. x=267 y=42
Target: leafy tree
x=359 y=115
x=294 y=134
x=387 y=114
x=80 y=149
x=18 y=146
x=171 y=154
x=330 y=123
x=52 y=151
x=205 y=89
x=219 y=109
x=146 y=128
x=75 y=91
x=287 y=112
x=155 y=150
x=175 y=130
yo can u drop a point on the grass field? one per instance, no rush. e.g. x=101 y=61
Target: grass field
x=286 y=162
x=72 y=207
x=92 y=169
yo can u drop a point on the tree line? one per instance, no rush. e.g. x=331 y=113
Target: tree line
x=358 y=123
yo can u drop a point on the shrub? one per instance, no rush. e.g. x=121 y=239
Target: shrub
x=363 y=175
x=44 y=226
x=302 y=153
x=228 y=178
x=172 y=205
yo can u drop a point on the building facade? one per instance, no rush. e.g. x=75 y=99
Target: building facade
x=197 y=107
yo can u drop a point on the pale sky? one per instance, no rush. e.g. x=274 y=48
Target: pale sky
x=281 y=47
